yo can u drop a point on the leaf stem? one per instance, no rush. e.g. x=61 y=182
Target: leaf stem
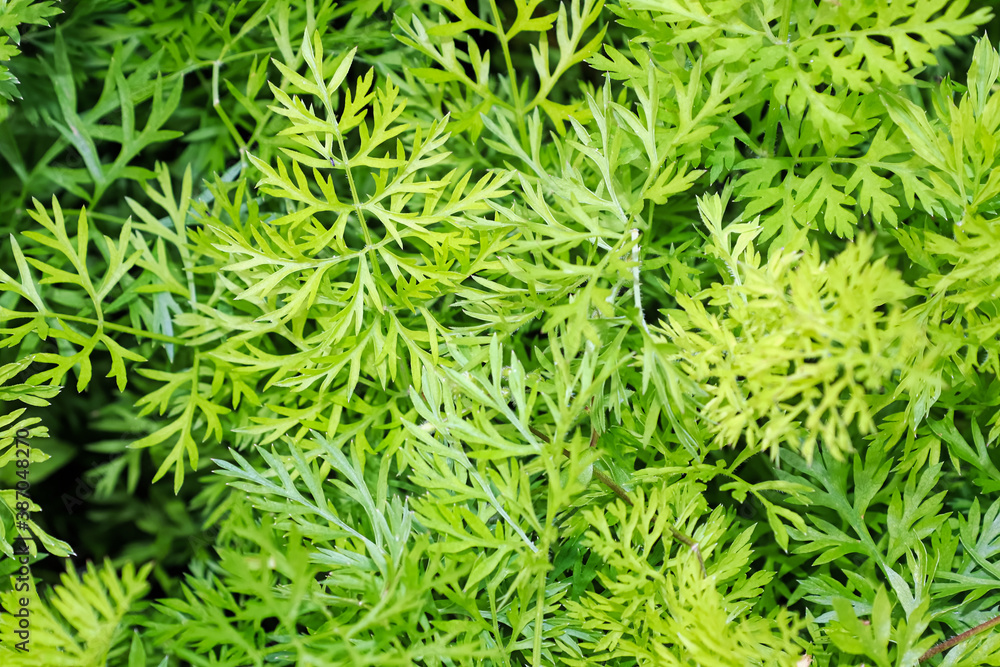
x=957 y=639
x=786 y=20
x=138 y=333
x=519 y=111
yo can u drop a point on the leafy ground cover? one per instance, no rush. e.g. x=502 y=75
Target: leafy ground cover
x=647 y=332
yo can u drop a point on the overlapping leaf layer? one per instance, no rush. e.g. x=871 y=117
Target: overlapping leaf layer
x=655 y=332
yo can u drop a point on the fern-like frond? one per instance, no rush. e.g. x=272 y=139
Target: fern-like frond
x=82 y=620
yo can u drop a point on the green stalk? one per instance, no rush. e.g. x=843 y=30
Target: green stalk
x=519 y=112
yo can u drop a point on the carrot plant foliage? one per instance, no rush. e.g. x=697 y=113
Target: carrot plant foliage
x=453 y=332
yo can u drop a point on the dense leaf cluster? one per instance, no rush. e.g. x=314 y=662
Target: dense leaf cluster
x=479 y=333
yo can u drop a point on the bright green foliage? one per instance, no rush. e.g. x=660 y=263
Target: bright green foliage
x=16 y=432
x=68 y=265
x=798 y=344
x=642 y=613
x=83 y=621
x=14 y=16
x=480 y=333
